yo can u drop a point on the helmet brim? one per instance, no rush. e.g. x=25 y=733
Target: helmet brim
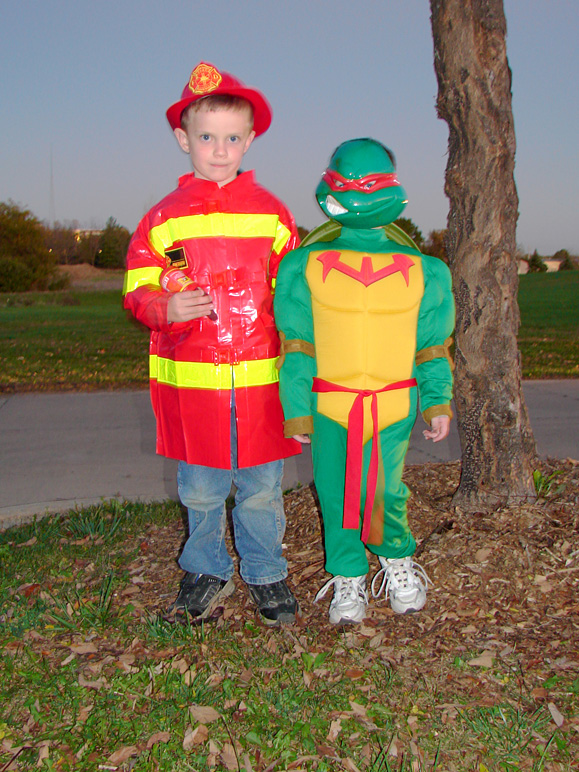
x=262 y=113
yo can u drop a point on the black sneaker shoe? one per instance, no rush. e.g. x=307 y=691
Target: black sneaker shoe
x=199 y=593
x=275 y=603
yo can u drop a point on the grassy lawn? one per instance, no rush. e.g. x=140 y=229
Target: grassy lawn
x=94 y=678
x=549 y=332
x=70 y=340
x=84 y=340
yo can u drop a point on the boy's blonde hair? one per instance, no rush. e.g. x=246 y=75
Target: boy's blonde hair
x=216 y=102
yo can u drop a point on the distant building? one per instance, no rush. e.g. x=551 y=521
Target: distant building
x=552 y=264
x=84 y=233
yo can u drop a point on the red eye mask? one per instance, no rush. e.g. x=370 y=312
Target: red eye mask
x=367 y=184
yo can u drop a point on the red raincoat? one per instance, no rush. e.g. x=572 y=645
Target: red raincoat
x=230 y=240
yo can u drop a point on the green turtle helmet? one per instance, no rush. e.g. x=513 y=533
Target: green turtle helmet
x=359 y=188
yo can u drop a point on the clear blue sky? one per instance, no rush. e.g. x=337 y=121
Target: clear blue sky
x=90 y=82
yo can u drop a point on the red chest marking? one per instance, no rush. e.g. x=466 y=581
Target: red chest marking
x=366 y=274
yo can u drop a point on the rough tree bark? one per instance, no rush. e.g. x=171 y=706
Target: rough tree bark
x=474 y=98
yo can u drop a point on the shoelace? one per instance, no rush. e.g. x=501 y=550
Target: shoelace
x=347 y=588
x=402 y=574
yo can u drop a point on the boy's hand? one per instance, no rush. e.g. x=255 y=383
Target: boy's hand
x=303 y=438
x=185 y=306
x=439 y=428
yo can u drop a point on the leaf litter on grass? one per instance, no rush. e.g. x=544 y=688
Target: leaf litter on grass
x=485 y=677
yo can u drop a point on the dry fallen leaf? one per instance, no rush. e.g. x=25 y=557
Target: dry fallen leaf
x=123 y=754
x=326 y=750
x=486 y=659
x=357 y=709
x=43 y=754
x=28 y=543
x=181 y=665
x=97 y=685
x=31 y=589
x=83 y=648
x=540 y=693
x=200 y=734
x=228 y=757
x=205 y=714
x=84 y=712
x=196 y=736
x=158 y=737
x=557 y=716
x=335 y=729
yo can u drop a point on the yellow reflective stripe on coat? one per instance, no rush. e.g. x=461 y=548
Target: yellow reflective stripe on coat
x=281 y=238
x=137 y=277
x=197 y=226
x=205 y=375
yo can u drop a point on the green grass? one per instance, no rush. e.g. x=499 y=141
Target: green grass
x=70 y=340
x=549 y=332
x=87 y=672
x=85 y=340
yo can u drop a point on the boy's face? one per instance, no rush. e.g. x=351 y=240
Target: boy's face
x=216 y=142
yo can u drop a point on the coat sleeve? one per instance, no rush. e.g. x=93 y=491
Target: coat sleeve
x=293 y=316
x=142 y=292
x=286 y=240
x=435 y=326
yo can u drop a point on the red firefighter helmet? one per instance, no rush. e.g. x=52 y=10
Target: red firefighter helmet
x=207 y=79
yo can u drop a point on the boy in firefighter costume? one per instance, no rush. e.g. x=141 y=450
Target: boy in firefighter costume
x=365 y=321
x=200 y=273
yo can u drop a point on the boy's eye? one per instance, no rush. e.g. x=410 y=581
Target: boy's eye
x=235 y=138
x=205 y=137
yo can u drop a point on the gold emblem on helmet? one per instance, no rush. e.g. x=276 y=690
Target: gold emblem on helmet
x=204 y=79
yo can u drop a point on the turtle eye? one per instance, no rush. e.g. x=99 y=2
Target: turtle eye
x=338 y=183
x=369 y=185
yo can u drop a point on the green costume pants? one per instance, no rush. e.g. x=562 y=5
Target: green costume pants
x=345 y=551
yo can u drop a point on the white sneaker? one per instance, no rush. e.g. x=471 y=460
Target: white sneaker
x=404 y=582
x=350 y=599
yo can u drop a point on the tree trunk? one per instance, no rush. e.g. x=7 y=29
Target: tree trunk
x=474 y=98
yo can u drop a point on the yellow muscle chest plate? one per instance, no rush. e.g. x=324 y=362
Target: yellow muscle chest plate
x=365 y=312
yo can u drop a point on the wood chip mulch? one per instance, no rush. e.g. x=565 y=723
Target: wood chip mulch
x=504 y=584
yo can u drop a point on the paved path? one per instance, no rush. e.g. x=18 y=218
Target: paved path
x=59 y=451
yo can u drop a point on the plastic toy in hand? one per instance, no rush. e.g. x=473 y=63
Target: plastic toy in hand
x=176 y=280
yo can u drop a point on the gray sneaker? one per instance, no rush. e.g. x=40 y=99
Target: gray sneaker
x=199 y=594
x=403 y=582
x=350 y=599
x=275 y=603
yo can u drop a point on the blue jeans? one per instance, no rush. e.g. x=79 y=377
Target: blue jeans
x=258 y=519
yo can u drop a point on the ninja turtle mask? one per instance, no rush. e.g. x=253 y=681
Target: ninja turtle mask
x=359 y=188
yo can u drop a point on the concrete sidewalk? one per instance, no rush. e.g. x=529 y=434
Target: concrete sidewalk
x=60 y=451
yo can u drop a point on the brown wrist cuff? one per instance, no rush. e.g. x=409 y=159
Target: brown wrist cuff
x=302 y=425
x=436 y=410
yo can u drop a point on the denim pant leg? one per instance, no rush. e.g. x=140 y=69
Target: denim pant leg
x=259 y=522
x=203 y=490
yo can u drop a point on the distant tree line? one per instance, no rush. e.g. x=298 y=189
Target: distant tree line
x=536 y=263
x=104 y=248
x=31 y=251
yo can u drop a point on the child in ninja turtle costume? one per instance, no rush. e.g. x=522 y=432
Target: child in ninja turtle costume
x=365 y=321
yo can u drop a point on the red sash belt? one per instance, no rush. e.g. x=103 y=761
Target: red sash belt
x=355 y=449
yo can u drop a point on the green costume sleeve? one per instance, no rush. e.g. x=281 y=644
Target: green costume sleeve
x=293 y=318
x=435 y=325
